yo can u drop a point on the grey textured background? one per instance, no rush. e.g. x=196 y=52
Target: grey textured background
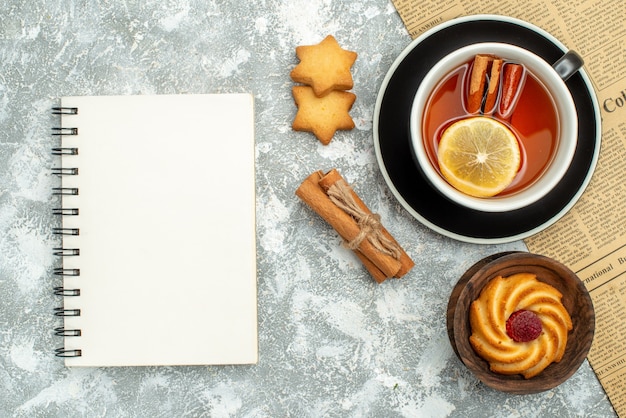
x=332 y=342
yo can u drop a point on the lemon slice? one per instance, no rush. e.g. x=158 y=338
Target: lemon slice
x=479 y=156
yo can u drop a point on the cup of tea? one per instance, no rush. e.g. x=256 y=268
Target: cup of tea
x=512 y=88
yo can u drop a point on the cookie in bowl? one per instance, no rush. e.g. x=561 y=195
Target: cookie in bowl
x=550 y=316
x=519 y=325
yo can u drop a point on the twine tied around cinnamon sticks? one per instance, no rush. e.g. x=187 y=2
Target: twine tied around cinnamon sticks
x=369 y=223
x=330 y=196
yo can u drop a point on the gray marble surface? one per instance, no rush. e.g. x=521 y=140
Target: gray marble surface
x=332 y=342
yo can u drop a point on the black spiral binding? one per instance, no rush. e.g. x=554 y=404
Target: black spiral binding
x=64 y=151
x=65 y=111
x=61 y=251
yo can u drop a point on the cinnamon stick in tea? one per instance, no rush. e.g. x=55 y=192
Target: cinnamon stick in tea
x=335 y=201
x=477 y=82
x=512 y=83
x=493 y=87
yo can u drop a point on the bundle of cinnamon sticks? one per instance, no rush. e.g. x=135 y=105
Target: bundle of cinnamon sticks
x=503 y=81
x=335 y=201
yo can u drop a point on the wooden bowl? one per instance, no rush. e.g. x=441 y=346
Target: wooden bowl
x=576 y=300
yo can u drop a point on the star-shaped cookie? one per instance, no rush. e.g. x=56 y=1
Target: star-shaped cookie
x=325 y=66
x=322 y=115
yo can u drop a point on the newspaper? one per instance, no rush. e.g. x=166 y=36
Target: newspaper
x=591 y=237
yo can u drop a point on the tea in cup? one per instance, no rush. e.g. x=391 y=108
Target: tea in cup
x=530 y=106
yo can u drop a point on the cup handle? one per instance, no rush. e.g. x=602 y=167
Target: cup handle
x=568 y=64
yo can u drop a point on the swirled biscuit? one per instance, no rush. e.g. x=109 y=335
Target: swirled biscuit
x=498 y=300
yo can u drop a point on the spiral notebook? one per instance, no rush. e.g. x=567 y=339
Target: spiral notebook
x=158 y=259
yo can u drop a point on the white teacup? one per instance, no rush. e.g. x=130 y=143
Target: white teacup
x=553 y=79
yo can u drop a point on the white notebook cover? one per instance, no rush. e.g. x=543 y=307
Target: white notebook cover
x=167 y=230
